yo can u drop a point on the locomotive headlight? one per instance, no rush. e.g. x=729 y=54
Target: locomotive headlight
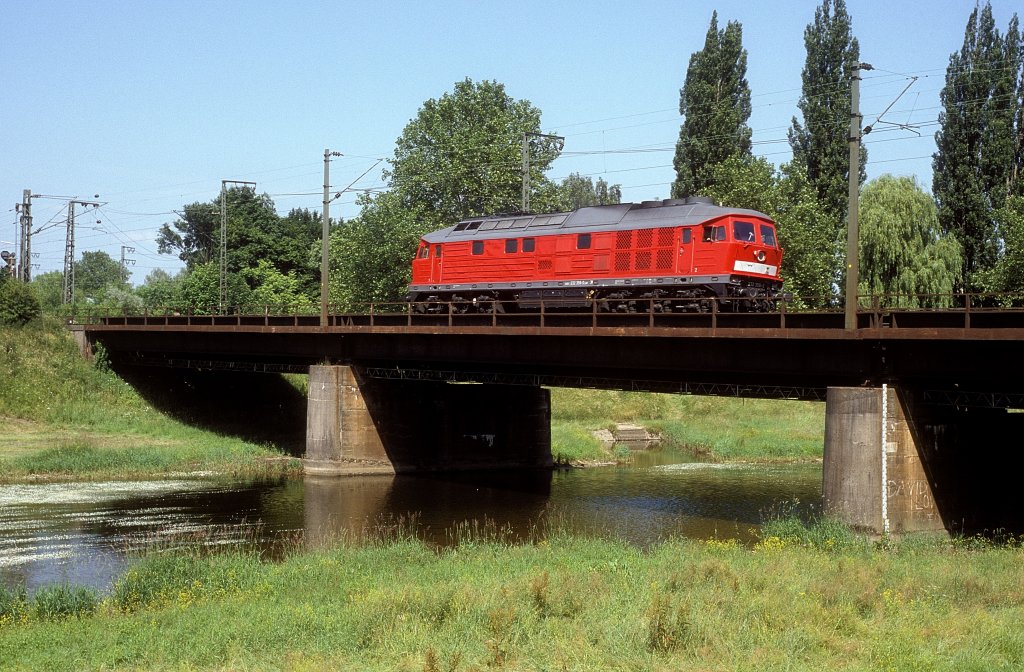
x=760 y=256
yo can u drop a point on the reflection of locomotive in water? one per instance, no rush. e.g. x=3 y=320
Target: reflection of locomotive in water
x=674 y=255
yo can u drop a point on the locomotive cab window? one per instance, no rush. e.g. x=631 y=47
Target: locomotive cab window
x=743 y=232
x=768 y=235
x=511 y=246
x=583 y=241
x=687 y=236
x=478 y=247
x=424 y=252
x=528 y=244
x=713 y=233
x=437 y=251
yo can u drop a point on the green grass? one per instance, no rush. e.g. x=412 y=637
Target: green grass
x=718 y=428
x=61 y=417
x=574 y=443
x=787 y=603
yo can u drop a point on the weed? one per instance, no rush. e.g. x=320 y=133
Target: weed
x=539 y=593
x=668 y=627
x=62 y=601
x=13 y=605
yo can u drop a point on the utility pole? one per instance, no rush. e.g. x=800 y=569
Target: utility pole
x=125 y=262
x=24 y=249
x=224 y=239
x=324 y=266
x=853 y=206
x=526 y=163
x=69 y=251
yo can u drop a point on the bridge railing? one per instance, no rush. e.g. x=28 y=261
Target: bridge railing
x=961 y=311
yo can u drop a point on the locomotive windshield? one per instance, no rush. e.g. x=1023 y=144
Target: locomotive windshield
x=743 y=232
x=767 y=235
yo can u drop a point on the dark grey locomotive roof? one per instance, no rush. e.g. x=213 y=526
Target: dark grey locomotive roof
x=622 y=216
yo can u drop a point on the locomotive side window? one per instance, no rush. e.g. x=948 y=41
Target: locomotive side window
x=743 y=232
x=478 y=247
x=767 y=235
x=424 y=252
x=511 y=246
x=528 y=244
x=687 y=235
x=583 y=241
x=437 y=251
x=713 y=233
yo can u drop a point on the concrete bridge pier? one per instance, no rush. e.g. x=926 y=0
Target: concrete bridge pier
x=893 y=464
x=358 y=425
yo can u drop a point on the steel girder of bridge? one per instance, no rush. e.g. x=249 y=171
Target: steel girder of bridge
x=952 y=358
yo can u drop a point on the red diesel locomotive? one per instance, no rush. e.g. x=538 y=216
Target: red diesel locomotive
x=672 y=255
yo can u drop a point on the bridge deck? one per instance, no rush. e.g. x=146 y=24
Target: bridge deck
x=958 y=355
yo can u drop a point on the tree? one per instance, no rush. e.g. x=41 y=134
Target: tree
x=1007 y=274
x=95 y=272
x=461 y=156
x=199 y=291
x=276 y=291
x=804 y=231
x=255 y=235
x=820 y=143
x=973 y=169
x=160 y=290
x=18 y=303
x=905 y=259
x=194 y=236
x=49 y=289
x=300 y=232
x=715 y=103
x=255 y=232
x=577 y=191
x=371 y=254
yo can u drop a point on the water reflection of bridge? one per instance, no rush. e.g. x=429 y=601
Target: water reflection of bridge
x=916 y=400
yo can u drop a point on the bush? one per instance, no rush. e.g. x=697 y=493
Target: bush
x=18 y=303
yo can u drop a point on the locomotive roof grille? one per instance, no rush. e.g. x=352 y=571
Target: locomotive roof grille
x=621 y=216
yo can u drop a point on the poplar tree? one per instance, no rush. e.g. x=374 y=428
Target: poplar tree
x=820 y=143
x=978 y=141
x=715 y=104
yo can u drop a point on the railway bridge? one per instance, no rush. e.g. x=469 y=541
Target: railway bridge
x=920 y=431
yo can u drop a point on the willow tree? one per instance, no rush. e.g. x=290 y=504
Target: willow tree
x=715 y=104
x=905 y=258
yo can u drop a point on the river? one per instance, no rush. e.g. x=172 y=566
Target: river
x=86 y=533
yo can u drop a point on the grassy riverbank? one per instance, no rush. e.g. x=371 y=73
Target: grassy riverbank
x=62 y=418
x=802 y=599
x=715 y=428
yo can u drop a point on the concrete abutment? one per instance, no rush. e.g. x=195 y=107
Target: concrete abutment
x=358 y=425
x=893 y=463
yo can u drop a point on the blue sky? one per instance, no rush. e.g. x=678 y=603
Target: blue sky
x=150 y=105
